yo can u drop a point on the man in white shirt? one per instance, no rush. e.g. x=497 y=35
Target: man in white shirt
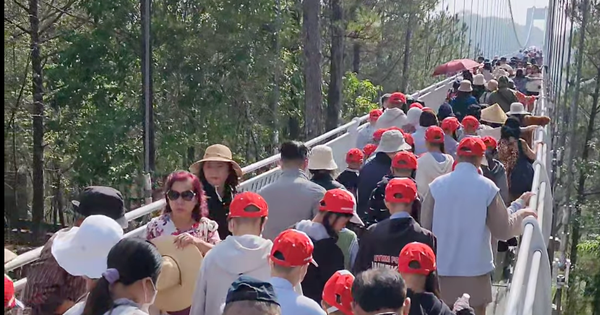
x=291 y=253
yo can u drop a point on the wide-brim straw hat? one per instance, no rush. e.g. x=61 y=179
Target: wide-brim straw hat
x=177 y=279
x=465 y=86
x=517 y=108
x=217 y=153
x=493 y=114
x=321 y=158
x=392 y=141
x=8 y=255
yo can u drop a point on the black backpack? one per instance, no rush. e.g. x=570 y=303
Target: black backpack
x=521 y=177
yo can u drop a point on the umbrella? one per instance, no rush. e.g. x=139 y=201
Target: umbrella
x=455 y=66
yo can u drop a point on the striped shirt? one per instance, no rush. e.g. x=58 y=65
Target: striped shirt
x=48 y=285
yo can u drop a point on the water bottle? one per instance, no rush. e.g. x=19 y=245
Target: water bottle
x=461 y=303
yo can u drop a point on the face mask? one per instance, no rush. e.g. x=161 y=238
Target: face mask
x=147 y=304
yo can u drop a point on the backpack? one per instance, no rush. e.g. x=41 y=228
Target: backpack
x=521 y=177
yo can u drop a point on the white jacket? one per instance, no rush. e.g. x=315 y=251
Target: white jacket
x=392 y=117
x=430 y=169
x=223 y=264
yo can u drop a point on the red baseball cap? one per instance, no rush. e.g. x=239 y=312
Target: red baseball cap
x=354 y=156
x=239 y=206
x=10 y=300
x=338 y=292
x=397 y=98
x=401 y=190
x=340 y=201
x=470 y=122
x=295 y=247
x=369 y=149
x=379 y=133
x=408 y=138
x=434 y=134
x=471 y=146
x=450 y=124
x=405 y=160
x=416 y=258
x=415 y=104
x=375 y=113
x=490 y=142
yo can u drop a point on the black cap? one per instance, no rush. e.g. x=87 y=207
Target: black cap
x=101 y=200
x=246 y=288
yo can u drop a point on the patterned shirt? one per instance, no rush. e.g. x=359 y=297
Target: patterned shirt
x=206 y=229
x=48 y=285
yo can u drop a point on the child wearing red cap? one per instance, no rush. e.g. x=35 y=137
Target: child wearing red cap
x=450 y=125
x=417 y=266
x=337 y=209
x=290 y=258
x=435 y=162
x=404 y=165
x=494 y=170
x=337 y=294
x=368 y=151
x=244 y=252
x=366 y=133
x=394 y=115
x=382 y=242
x=464 y=210
x=349 y=177
x=470 y=126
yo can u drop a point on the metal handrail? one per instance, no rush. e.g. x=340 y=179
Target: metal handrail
x=530 y=289
x=34 y=254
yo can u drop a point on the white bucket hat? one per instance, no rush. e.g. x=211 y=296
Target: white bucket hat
x=82 y=251
x=517 y=108
x=321 y=158
x=478 y=79
x=465 y=86
x=392 y=141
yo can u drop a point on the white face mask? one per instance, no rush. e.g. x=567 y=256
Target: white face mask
x=147 y=304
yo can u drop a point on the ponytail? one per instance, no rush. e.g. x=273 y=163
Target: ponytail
x=100 y=300
x=432 y=284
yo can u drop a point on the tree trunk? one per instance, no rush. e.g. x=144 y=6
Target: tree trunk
x=576 y=219
x=408 y=37
x=38 y=120
x=356 y=57
x=313 y=97
x=334 y=94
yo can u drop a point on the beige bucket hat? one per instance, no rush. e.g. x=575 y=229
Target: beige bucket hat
x=218 y=153
x=465 y=86
x=321 y=158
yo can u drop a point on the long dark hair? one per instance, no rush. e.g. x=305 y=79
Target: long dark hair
x=231 y=182
x=432 y=284
x=329 y=226
x=134 y=259
x=201 y=208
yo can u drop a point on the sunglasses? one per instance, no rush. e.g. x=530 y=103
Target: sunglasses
x=187 y=195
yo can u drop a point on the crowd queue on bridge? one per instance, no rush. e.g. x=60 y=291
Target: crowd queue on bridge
x=411 y=226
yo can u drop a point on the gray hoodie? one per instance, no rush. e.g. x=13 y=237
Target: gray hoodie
x=231 y=258
x=392 y=117
x=496 y=173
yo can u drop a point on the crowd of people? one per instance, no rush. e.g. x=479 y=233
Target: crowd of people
x=410 y=226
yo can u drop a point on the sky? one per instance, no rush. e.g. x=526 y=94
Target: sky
x=519 y=8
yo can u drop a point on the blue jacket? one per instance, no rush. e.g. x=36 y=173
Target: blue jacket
x=370 y=174
x=460 y=105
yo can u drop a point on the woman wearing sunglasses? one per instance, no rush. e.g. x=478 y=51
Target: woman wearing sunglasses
x=182 y=216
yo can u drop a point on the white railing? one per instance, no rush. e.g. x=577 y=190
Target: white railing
x=531 y=288
x=433 y=96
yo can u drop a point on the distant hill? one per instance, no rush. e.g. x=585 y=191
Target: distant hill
x=508 y=43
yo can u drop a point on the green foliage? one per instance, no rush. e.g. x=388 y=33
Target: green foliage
x=360 y=96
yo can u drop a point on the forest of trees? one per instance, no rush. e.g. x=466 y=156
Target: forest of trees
x=246 y=73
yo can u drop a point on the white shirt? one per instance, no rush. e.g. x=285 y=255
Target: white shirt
x=293 y=303
x=419 y=138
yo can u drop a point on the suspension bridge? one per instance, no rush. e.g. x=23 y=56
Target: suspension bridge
x=530 y=288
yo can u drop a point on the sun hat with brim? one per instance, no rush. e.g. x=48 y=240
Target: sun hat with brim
x=392 y=141
x=465 y=86
x=217 y=153
x=517 y=108
x=8 y=255
x=177 y=279
x=478 y=79
x=491 y=85
x=321 y=158
x=82 y=251
x=493 y=114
